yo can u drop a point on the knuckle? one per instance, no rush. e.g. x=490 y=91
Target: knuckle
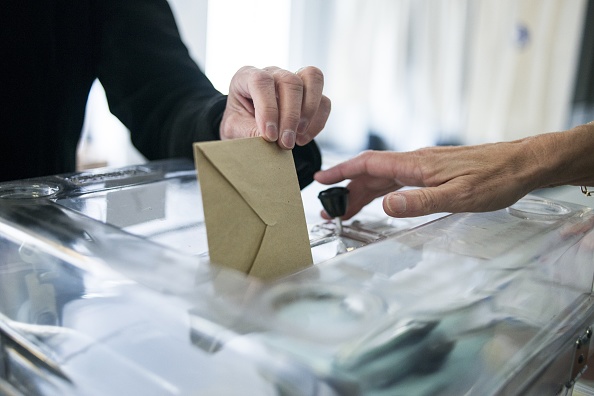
x=269 y=110
x=427 y=200
x=246 y=69
x=291 y=120
x=285 y=76
x=325 y=105
x=312 y=73
x=271 y=69
x=242 y=72
x=261 y=78
x=465 y=193
x=421 y=168
x=364 y=156
x=291 y=80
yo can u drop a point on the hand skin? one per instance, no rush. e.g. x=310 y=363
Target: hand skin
x=458 y=179
x=278 y=105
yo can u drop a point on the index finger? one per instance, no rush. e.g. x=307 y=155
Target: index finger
x=289 y=91
x=254 y=89
x=373 y=163
x=313 y=85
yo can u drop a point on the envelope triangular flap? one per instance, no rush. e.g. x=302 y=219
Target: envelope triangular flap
x=272 y=262
x=227 y=241
x=254 y=185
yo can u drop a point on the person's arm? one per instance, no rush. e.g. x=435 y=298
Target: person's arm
x=466 y=178
x=152 y=84
x=567 y=157
x=160 y=94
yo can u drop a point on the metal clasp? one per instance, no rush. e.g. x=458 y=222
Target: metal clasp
x=580 y=357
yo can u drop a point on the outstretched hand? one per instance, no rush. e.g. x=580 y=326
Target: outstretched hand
x=284 y=107
x=452 y=179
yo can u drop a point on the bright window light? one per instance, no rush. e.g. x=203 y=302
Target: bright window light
x=245 y=32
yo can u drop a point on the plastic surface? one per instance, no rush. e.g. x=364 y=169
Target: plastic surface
x=106 y=275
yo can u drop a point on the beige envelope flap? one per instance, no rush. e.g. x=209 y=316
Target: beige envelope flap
x=252 y=206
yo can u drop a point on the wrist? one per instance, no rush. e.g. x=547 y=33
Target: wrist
x=546 y=157
x=566 y=157
x=215 y=116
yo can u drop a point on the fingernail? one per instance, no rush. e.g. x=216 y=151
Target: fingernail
x=302 y=127
x=288 y=138
x=271 y=131
x=396 y=203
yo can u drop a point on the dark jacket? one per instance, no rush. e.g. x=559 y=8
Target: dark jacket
x=51 y=51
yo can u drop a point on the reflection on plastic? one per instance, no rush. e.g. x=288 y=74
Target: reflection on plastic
x=472 y=303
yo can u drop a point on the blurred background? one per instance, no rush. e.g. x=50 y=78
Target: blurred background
x=401 y=74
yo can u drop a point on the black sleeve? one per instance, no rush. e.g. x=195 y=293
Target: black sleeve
x=156 y=89
x=152 y=84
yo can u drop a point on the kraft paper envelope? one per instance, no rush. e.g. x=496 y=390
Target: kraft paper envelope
x=254 y=215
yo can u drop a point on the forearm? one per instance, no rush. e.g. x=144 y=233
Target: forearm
x=195 y=120
x=152 y=84
x=563 y=158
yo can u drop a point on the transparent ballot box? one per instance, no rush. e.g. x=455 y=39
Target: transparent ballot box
x=106 y=289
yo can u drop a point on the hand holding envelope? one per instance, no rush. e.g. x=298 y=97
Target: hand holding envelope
x=253 y=211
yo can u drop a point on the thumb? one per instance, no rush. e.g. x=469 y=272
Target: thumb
x=413 y=203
